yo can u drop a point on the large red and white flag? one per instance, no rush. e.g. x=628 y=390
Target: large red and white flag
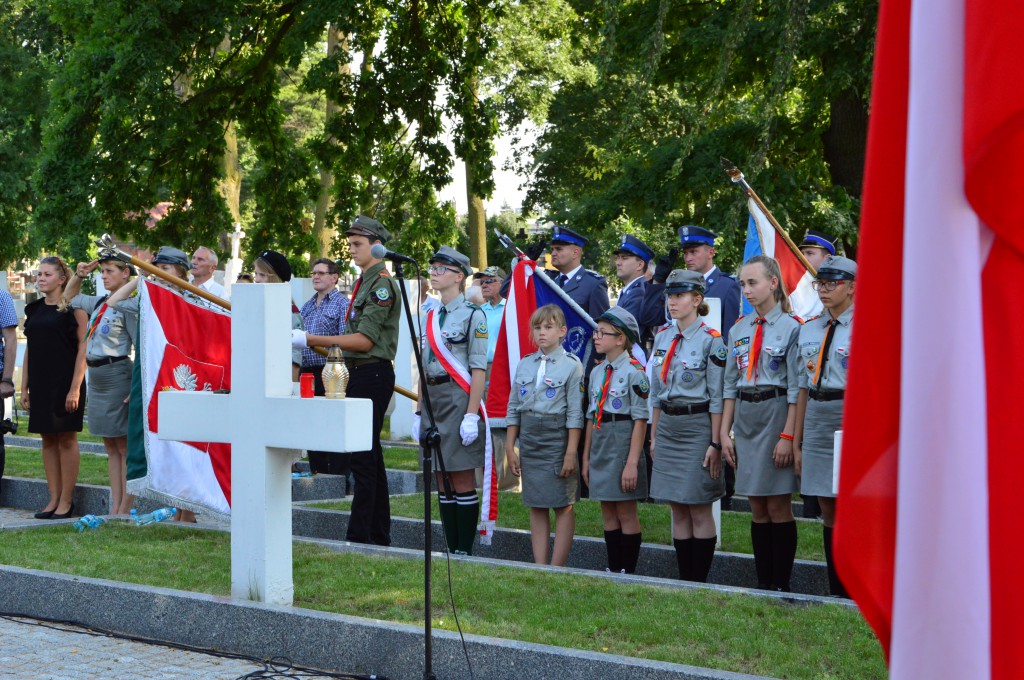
x=928 y=537
x=764 y=238
x=182 y=346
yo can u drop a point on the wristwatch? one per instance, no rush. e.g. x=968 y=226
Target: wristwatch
x=717 y=446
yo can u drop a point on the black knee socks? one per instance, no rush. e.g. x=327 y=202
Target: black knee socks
x=761 y=539
x=613 y=543
x=835 y=586
x=449 y=520
x=703 y=556
x=783 y=553
x=467 y=510
x=631 y=551
x=684 y=557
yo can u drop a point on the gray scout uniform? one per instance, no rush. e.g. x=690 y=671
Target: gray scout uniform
x=691 y=391
x=109 y=372
x=464 y=329
x=544 y=413
x=825 y=400
x=762 y=400
x=609 y=445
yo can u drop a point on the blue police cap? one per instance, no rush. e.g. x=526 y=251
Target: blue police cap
x=631 y=245
x=819 y=239
x=565 y=236
x=691 y=236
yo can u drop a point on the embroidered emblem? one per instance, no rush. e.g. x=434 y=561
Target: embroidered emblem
x=721 y=353
x=382 y=293
x=550 y=393
x=810 y=365
x=481 y=330
x=773 y=364
x=522 y=391
x=741 y=342
x=846 y=361
x=105 y=329
x=687 y=377
x=616 y=403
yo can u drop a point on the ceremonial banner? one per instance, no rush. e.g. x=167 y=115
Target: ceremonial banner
x=764 y=239
x=182 y=346
x=928 y=530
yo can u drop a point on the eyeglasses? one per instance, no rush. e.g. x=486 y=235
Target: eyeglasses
x=439 y=269
x=599 y=333
x=829 y=286
x=51 y=259
x=320 y=273
x=488 y=282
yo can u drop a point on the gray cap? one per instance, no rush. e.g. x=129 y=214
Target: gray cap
x=837 y=268
x=368 y=227
x=684 y=281
x=622 y=319
x=171 y=255
x=448 y=255
x=492 y=271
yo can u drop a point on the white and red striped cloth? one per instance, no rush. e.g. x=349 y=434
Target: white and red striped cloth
x=928 y=537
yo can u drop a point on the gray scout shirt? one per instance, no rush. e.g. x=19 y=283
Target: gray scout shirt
x=114 y=330
x=812 y=335
x=557 y=395
x=697 y=368
x=778 y=365
x=628 y=390
x=464 y=330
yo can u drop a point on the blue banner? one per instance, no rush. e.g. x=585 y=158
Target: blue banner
x=579 y=335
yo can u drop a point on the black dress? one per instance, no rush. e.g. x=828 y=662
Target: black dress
x=52 y=350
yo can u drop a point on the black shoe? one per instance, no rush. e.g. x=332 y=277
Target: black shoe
x=45 y=514
x=64 y=515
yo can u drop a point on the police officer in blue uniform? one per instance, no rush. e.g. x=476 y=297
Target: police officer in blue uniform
x=586 y=288
x=818 y=246
x=631 y=260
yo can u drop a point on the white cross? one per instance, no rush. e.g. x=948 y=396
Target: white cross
x=264 y=424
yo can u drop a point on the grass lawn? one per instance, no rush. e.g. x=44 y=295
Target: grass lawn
x=22 y=462
x=398 y=458
x=728 y=632
x=654 y=519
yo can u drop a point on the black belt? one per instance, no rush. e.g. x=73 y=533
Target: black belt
x=95 y=363
x=366 y=361
x=685 y=410
x=762 y=395
x=826 y=395
x=615 y=417
x=439 y=380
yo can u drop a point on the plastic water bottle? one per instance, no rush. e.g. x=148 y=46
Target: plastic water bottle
x=155 y=516
x=88 y=521
x=296 y=475
x=134 y=514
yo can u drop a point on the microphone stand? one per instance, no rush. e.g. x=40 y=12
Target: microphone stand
x=430 y=442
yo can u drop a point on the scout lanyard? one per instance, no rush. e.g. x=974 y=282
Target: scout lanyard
x=458 y=372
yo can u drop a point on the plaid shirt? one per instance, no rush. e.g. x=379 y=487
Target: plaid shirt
x=326 y=319
x=7 y=319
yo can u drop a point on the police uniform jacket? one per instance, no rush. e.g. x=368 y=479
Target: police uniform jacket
x=464 y=332
x=586 y=288
x=812 y=338
x=697 y=368
x=558 y=392
x=632 y=297
x=375 y=312
x=778 y=363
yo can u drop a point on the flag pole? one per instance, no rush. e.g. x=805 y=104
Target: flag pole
x=737 y=177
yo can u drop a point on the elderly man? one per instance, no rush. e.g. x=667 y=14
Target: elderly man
x=204 y=263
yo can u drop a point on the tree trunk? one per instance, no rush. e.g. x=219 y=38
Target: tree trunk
x=231 y=185
x=845 y=145
x=476 y=223
x=325 y=235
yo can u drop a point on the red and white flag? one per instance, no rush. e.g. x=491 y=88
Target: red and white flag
x=770 y=242
x=928 y=537
x=182 y=346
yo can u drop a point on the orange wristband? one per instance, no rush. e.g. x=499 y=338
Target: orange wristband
x=787 y=437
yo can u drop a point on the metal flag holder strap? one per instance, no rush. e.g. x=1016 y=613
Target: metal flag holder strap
x=737 y=177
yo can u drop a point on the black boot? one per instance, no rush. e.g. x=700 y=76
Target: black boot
x=631 y=551
x=449 y=520
x=613 y=542
x=783 y=553
x=761 y=539
x=835 y=586
x=703 y=556
x=684 y=557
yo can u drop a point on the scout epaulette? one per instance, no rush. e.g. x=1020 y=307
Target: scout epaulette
x=798 y=319
x=635 y=363
x=663 y=328
x=710 y=331
x=741 y=317
x=814 y=318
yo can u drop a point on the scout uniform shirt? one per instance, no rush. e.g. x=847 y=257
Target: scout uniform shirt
x=375 y=312
x=777 y=363
x=696 y=366
x=556 y=394
x=110 y=333
x=627 y=389
x=464 y=331
x=832 y=374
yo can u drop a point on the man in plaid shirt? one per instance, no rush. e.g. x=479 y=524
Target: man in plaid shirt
x=324 y=314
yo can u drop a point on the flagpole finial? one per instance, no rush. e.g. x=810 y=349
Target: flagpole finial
x=730 y=169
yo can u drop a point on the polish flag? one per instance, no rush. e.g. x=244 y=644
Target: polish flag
x=928 y=536
x=764 y=238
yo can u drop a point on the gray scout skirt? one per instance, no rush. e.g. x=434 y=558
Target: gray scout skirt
x=756 y=428
x=109 y=386
x=609 y=449
x=542 y=442
x=449 y=402
x=678 y=475
x=822 y=420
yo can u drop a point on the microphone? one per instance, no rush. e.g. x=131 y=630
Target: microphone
x=379 y=252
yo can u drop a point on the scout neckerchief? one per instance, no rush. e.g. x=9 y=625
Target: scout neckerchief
x=609 y=369
x=96 y=319
x=542 y=370
x=459 y=373
x=352 y=300
x=668 y=357
x=755 y=350
x=826 y=344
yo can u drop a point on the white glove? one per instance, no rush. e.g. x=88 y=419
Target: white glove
x=299 y=338
x=416 y=427
x=468 y=429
